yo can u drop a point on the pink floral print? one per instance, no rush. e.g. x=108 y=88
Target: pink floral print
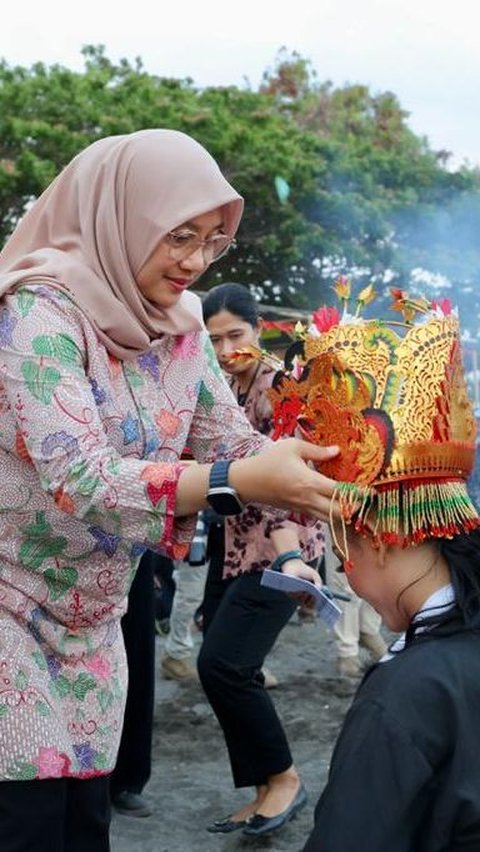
x=90 y=452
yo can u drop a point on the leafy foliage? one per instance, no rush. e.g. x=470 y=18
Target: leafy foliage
x=363 y=195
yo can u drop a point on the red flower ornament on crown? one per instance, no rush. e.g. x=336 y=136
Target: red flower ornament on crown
x=392 y=395
x=325 y=318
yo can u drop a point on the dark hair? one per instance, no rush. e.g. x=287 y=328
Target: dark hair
x=462 y=553
x=232 y=297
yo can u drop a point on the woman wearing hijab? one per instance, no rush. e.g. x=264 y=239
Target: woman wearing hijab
x=106 y=374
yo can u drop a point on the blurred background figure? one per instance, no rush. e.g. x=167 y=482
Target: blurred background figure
x=242 y=618
x=189 y=577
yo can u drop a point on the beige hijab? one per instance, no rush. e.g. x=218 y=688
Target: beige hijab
x=94 y=227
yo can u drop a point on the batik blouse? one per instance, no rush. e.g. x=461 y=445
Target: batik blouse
x=89 y=464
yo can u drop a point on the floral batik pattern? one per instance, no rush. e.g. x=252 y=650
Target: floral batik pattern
x=248 y=546
x=90 y=459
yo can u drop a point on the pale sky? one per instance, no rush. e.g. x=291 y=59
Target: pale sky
x=425 y=51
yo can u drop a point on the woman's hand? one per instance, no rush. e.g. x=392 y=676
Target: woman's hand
x=298 y=568
x=282 y=477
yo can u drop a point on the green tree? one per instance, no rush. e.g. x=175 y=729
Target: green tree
x=384 y=203
x=47 y=115
x=361 y=193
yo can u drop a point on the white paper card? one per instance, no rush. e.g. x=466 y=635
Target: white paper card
x=326 y=608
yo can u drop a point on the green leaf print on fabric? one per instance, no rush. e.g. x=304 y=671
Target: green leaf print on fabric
x=59 y=346
x=117 y=688
x=40 y=660
x=26 y=300
x=33 y=552
x=133 y=377
x=3 y=710
x=100 y=761
x=97 y=519
x=39 y=528
x=205 y=398
x=21 y=770
x=105 y=699
x=212 y=358
x=59 y=581
x=39 y=544
x=42 y=708
x=156 y=523
x=83 y=684
x=21 y=680
x=86 y=484
x=60 y=686
x=40 y=381
x=113 y=466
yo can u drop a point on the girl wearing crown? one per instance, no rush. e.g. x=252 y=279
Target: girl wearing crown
x=405 y=774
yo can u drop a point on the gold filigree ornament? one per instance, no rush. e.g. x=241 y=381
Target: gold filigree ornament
x=393 y=396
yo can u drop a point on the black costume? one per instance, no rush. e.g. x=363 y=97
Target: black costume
x=405 y=773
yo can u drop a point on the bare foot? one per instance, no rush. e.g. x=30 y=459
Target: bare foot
x=281 y=792
x=249 y=809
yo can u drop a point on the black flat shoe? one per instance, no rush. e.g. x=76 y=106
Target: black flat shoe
x=225 y=826
x=258 y=824
x=131 y=804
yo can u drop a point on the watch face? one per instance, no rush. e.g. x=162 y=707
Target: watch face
x=225 y=501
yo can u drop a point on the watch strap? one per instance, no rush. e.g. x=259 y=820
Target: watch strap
x=219 y=474
x=221 y=496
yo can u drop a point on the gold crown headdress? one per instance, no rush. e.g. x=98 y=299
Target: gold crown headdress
x=393 y=397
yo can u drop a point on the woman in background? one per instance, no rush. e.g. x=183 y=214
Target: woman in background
x=242 y=618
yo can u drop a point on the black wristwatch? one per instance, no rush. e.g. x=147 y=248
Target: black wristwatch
x=223 y=499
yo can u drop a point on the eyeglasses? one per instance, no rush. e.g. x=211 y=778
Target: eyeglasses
x=182 y=244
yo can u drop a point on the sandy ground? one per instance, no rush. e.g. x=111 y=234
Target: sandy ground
x=191 y=783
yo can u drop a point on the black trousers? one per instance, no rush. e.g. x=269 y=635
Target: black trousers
x=165 y=585
x=55 y=815
x=134 y=762
x=242 y=620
